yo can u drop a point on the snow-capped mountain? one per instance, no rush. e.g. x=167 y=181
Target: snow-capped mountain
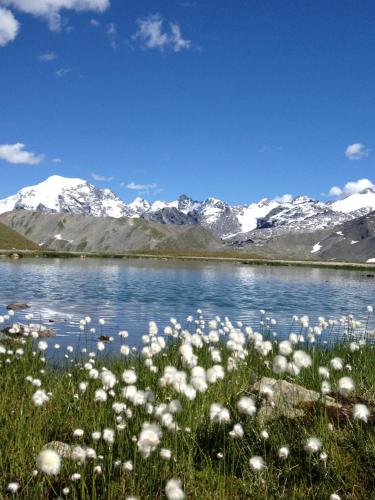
x=139 y=206
x=60 y=194
x=364 y=200
x=238 y=223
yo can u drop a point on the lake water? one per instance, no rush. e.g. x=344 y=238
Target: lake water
x=130 y=293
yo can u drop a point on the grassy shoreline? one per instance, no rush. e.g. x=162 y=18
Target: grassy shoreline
x=209 y=462
x=234 y=257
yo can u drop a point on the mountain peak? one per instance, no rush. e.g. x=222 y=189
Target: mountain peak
x=365 y=199
x=65 y=194
x=367 y=190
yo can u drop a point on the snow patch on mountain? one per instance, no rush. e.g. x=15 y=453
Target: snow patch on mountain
x=316 y=247
x=248 y=216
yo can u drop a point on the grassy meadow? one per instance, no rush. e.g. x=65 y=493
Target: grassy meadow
x=176 y=409
x=10 y=240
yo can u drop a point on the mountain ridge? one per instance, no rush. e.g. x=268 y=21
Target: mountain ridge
x=231 y=223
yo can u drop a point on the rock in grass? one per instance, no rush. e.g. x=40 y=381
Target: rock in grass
x=63 y=449
x=288 y=400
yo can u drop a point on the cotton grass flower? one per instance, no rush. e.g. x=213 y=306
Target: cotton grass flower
x=219 y=414
x=325 y=387
x=302 y=359
x=334 y=496
x=98 y=470
x=100 y=396
x=361 y=412
x=237 y=432
x=215 y=373
x=128 y=466
x=337 y=363
x=257 y=463
x=173 y=490
x=165 y=454
x=149 y=439
x=40 y=397
x=283 y=452
x=345 y=386
x=108 y=436
x=129 y=377
x=246 y=406
x=13 y=487
x=42 y=345
x=285 y=347
x=323 y=372
x=279 y=364
x=79 y=454
x=78 y=433
x=353 y=347
x=313 y=445
x=49 y=462
x=108 y=379
x=264 y=435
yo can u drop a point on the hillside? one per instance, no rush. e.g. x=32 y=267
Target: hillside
x=72 y=232
x=11 y=240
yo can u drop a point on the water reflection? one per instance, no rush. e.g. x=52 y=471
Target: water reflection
x=128 y=294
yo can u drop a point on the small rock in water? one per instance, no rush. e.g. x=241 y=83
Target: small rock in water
x=17 y=306
x=18 y=330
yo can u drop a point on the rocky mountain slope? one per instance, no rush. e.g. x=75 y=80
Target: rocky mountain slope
x=76 y=232
x=353 y=240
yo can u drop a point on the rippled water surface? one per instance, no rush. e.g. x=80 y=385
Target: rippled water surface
x=128 y=294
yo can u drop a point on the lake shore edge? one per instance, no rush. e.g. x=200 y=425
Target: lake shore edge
x=196 y=257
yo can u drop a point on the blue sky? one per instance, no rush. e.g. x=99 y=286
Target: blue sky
x=239 y=100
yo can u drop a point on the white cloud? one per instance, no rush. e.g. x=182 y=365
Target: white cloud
x=50 y=9
x=62 y=72
x=101 y=178
x=178 y=43
x=151 y=35
x=56 y=160
x=140 y=187
x=111 y=33
x=351 y=188
x=335 y=191
x=16 y=154
x=95 y=23
x=357 y=151
x=47 y=56
x=9 y=27
x=285 y=198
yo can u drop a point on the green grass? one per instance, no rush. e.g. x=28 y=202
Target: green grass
x=11 y=240
x=24 y=430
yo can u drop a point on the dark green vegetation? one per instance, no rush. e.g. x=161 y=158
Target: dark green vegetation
x=210 y=463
